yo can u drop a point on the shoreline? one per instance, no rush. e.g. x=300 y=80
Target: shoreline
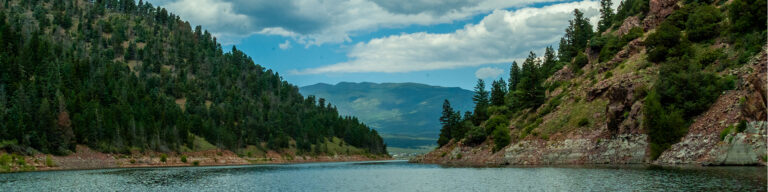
x=182 y=166
x=585 y=165
x=87 y=159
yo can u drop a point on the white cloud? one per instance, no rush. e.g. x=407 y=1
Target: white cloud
x=213 y=13
x=315 y=22
x=500 y=37
x=488 y=72
x=286 y=45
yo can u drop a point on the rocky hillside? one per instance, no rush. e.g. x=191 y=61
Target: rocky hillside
x=641 y=103
x=405 y=114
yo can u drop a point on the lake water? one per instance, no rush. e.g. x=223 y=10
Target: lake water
x=391 y=176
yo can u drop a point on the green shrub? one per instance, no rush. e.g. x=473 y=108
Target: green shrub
x=494 y=121
x=196 y=163
x=610 y=47
x=498 y=110
x=710 y=56
x=458 y=156
x=133 y=161
x=608 y=75
x=579 y=62
x=747 y=15
x=680 y=17
x=742 y=126
x=5 y=160
x=551 y=105
x=633 y=34
x=659 y=43
x=20 y=161
x=501 y=137
x=183 y=158
x=49 y=161
x=703 y=23
x=583 y=122
x=749 y=44
x=725 y=132
x=475 y=136
x=163 y=158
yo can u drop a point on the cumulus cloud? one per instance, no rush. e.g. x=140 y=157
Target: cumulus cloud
x=501 y=37
x=418 y=6
x=213 y=13
x=315 y=22
x=488 y=72
x=286 y=45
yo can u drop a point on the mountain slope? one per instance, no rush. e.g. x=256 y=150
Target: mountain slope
x=666 y=82
x=406 y=114
x=122 y=77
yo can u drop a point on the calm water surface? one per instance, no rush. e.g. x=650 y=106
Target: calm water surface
x=391 y=176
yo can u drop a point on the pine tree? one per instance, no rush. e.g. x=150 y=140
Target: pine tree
x=446 y=119
x=576 y=36
x=481 y=102
x=498 y=92
x=514 y=80
x=606 y=15
x=549 y=65
x=529 y=93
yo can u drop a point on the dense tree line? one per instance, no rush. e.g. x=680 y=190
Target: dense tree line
x=118 y=75
x=686 y=85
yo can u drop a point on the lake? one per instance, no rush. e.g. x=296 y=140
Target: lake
x=392 y=176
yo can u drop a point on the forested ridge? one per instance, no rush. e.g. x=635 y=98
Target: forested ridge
x=690 y=58
x=120 y=76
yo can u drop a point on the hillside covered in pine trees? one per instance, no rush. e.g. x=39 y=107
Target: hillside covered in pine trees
x=121 y=76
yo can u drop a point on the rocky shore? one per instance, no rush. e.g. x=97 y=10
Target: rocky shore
x=86 y=158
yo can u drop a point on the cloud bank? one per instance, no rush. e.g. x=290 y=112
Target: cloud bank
x=501 y=37
x=316 y=22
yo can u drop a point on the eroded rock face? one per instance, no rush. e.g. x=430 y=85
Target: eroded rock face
x=746 y=148
x=703 y=144
x=621 y=93
x=563 y=74
x=659 y=10
x=633 y=47
x=754 y=106
x=582 y=149
x=628 y=24
x=622 y=149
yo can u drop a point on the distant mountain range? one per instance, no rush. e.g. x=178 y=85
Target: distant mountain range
x=406 y=114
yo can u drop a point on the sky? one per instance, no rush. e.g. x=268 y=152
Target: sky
x=447 y=43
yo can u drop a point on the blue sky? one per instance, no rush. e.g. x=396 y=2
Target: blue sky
x=447 y=43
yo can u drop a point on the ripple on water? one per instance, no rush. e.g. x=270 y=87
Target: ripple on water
x=392 y=176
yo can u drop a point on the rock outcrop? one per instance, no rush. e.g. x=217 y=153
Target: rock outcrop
x=621 y=149
x=659 y=10
x=628 y=24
